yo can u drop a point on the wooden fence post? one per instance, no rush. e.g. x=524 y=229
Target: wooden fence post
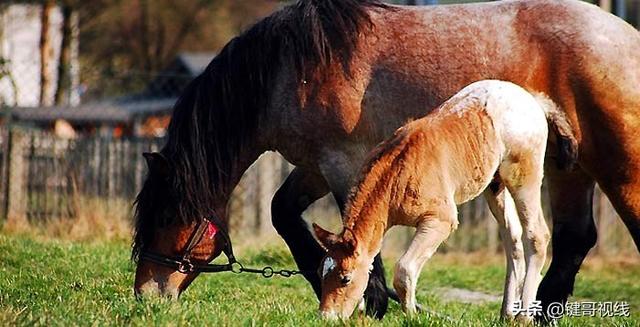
x=4 y=172
x=268 y=179
x=602 y=220
x=260 y=187
x=17 y=179
x=492 y=228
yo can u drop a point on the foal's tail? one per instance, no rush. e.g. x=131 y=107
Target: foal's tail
x=567 y=144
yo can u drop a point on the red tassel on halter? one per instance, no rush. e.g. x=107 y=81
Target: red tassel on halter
x=211 y=230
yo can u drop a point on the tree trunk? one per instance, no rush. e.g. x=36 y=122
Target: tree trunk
x=144 y=35
x=637 y=11
x=605 y=5
x=46 y=52
x=620 y=8
x=64 y=62
x=74 y=61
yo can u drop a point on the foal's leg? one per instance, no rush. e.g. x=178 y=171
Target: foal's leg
x=430 y=233
x=299 y=191
x=503 y=209
x=524 y=181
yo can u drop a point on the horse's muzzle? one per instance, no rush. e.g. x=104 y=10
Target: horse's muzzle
x=156 y=280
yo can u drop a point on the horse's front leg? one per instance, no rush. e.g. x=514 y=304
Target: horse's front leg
x=298 y=192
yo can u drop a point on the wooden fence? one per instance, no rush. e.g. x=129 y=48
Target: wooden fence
x=43 y=177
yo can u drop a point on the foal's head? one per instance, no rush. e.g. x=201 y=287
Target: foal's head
x=164 y=227
x=344 y=272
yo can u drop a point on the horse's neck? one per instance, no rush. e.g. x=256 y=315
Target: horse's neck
x=249 y=154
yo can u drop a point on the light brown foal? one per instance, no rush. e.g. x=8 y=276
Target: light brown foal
x=491 y=132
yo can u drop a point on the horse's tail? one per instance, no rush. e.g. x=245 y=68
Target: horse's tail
x=567 y=145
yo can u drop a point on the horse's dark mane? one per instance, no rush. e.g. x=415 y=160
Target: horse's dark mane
x=218 y=112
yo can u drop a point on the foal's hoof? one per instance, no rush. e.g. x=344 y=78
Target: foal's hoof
x=524 y=320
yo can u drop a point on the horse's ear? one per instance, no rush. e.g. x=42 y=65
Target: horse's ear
x=157 y=163
x=327 y=239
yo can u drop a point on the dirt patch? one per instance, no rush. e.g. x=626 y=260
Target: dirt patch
x=465 y=296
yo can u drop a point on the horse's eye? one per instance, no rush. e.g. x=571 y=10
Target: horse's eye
x=345 y=279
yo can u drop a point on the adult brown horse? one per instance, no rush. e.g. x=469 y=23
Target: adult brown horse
x=323 y=81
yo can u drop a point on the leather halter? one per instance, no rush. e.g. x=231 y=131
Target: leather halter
x=183 y=263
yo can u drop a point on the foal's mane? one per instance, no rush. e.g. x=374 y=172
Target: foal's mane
x=218 y=112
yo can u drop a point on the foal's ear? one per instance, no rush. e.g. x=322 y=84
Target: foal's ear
x=349 y=241
x=157 y=163
x=327 y=239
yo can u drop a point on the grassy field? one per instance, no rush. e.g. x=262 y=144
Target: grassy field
x=48 y=282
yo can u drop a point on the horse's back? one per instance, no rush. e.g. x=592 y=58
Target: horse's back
x=560 y=48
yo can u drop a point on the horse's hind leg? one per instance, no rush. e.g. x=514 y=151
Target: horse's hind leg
x=299 y=191
x=503 y=209
x=522 y=174
x=574 y=231
x=430 y=233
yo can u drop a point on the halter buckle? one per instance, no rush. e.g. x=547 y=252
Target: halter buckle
x=185 y=266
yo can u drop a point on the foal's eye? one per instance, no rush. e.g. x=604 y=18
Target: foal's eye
x=345 y=279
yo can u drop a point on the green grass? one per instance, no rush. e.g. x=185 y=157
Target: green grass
x=63 y=283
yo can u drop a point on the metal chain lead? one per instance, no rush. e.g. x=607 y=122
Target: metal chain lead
x=266 y=272
x=184 y=265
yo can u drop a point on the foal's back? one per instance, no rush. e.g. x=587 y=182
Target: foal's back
x=456 y=151
x=489 y=130
x=513 y=142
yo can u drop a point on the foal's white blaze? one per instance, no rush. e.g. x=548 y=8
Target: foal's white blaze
x=327 y=266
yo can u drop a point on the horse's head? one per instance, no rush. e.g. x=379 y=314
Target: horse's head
x=163 y=232
x=344 y=273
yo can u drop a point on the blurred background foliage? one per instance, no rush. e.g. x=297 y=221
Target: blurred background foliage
x=139 y=38
x=131 y=40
